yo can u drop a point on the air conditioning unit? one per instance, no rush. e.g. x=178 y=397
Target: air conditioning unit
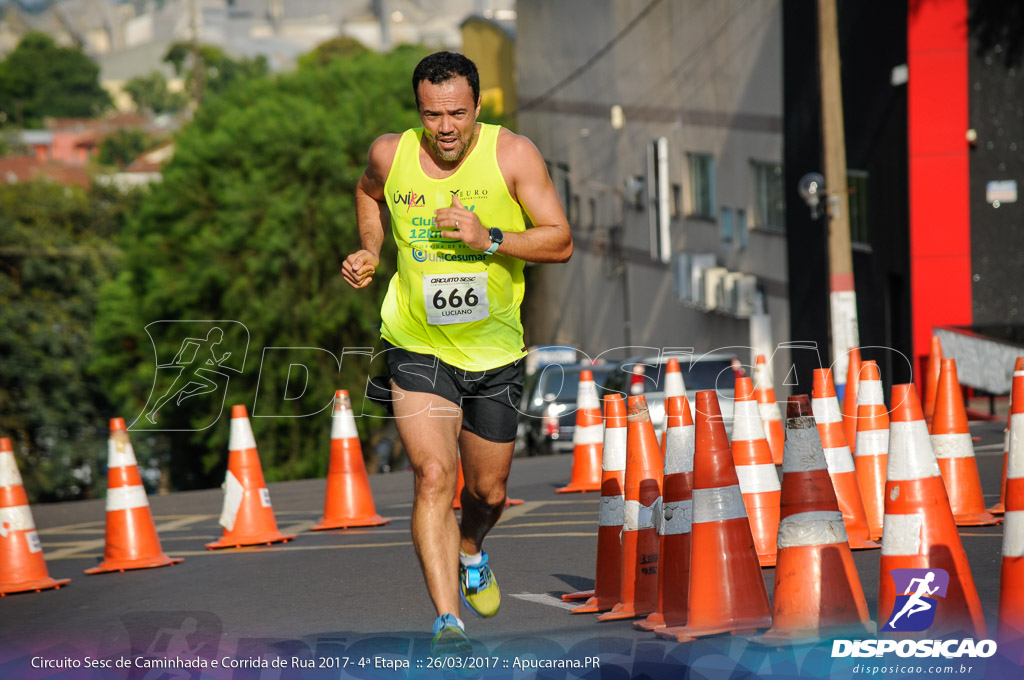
x=746 y=295
x=698 y=263
x=713 y=287
x=730 y=286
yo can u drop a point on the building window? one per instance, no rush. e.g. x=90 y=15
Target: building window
x=769 y=196
x=857 y=181
x=741 y=229
x=702 y=184
x=725 y=226
x=592 y=202
x=677 y=201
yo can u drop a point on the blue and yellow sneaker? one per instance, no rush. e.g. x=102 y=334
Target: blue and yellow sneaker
x=449 y=638
x=478 y=587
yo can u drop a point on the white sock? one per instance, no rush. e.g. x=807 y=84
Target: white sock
x=470 y=560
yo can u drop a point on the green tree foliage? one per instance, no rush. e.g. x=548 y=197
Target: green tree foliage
x=40 y=79
x=251 y=223
x=123 y=146
x=219 y=71
x=151 y=95
x=341 y=47
x=55 y=254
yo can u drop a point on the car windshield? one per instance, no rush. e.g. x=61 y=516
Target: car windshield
x=561 y=383
x=710 y=374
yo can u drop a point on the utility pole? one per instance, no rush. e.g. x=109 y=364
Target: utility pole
x=842 y=295
x=197 y=63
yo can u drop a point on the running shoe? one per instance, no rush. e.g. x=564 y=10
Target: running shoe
x=479 y=589
x=449 y=638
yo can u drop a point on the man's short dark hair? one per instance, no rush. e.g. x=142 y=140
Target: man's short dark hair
x=441 y=67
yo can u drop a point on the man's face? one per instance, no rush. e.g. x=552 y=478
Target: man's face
x=448 y=113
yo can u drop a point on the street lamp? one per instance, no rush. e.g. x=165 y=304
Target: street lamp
x=810 y=188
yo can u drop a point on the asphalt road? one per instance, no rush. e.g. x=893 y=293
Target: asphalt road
x=337 y=598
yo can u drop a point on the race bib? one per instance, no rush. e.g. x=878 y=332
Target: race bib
x=455 y=298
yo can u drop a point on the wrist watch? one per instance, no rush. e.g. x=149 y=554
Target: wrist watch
x=497 y=236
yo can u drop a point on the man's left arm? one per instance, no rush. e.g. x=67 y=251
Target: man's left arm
x=549 y=240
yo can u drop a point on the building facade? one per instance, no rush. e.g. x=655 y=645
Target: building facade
x=662 y=126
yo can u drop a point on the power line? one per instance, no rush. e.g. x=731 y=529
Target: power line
x=589 y=62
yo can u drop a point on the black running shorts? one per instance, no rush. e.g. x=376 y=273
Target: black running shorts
x=489 y=399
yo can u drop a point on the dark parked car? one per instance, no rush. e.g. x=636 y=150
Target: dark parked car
x=699 y=371
x=549 y=407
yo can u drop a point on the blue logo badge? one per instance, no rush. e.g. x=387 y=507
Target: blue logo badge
x=914 y=610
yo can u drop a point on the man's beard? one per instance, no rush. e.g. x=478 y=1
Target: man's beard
x=456 y=153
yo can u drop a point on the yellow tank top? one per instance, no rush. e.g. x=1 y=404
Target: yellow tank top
x=447 y=298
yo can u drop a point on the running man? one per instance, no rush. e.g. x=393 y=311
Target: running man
x=192 y=370
x=456 y=191
x=914 y=603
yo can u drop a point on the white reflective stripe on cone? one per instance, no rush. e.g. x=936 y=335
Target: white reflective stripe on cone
x=119 y=451
x=872 y=443
x=746 y=423
x=870 y=393
x=614 y=456
x=9 y=475
x=343 y=426
x=16 y=518
x=637 y=517
x=234 y=492
x=1013 y=534
x=1015 y=464
x=812 y=528
x=802 y=446
x=592 y=434
x=241 y=435
x=679 y=449
x=718 y=504
x=126 y=498
x=826 y=410
x=839 y=460
x=901 y=535
x=674 y=386
x=956 y=445
x=612 y=511
x=758 y=478
x=678 y=517
x=586 y=395
x=770 y=411
x=910 y=452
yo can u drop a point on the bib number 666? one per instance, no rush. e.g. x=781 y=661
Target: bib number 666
x=454 y=300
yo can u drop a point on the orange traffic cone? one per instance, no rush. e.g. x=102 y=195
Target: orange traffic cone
x=247 y=515
x=919 y=532
x=951 y=442
x=22 y=565
x=769 y=409
x=132 y=541
x=349 y=501
x=587 y=438
x=840 y=461
x=675 y=520
x=638 y=586
x=872 y=446
x=727 y=592
x=605 y=594
x=850 y=399
x=675 y=386
x=759 y=480
x=931 y=380
x=1011 y=578
x=999 y=507
x=817 y=589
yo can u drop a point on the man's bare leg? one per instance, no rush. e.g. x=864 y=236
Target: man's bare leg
x=485 y=467
x=429 y=427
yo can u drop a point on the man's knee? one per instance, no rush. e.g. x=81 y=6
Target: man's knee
x=491 y=494
x=434 y=477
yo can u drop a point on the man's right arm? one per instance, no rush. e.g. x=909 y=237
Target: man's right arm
x=371 y=212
